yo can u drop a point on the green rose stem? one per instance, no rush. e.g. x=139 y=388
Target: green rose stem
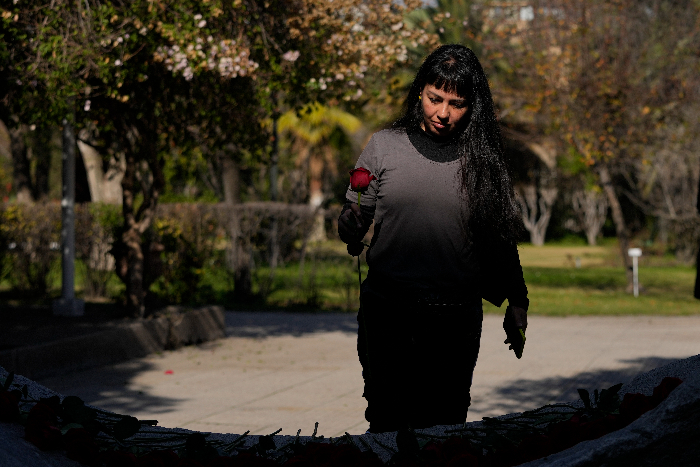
x=235 y=443
x=359 y=273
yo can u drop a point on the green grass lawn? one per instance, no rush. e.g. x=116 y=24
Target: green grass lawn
x=561 y=279
x=597 y=287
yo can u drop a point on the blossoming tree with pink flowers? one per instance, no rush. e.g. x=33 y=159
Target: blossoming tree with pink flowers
x=145 y=76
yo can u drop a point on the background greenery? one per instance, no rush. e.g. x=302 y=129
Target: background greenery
x=566 y=277
x=252 y=126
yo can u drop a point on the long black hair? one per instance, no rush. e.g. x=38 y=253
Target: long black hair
x=487 y=190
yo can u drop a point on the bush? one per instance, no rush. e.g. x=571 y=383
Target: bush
x=30 y=243
x=186 y=238
x=263 y=233
x=190 y=239
x=236 y=239
x=95 y=227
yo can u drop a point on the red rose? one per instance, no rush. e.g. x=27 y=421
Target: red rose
x=248 y=459
x=9 y=406
x=664 y=388
x=43 y=435
x=319 y=453
x=369 y=459
x=634 y=406
x=360 y=178
x=431 y=452
x=463 y=460
x=80 y=446
x=455 y=446
x=42 y=412
x=296 y=461
x=594 y=429
x=223 y=461
x=164 y=458
x=613 y=423
x=189 y=463
x=535 y=447
x=566 y=434
x=118 y=459
x=345 y=455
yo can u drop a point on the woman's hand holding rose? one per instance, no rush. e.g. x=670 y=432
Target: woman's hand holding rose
x=350 y=228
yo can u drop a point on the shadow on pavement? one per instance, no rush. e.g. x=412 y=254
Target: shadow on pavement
x=265 y=324
x=108 y=388
x=526 y=394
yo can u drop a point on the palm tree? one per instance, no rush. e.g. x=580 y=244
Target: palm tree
x=310 y=130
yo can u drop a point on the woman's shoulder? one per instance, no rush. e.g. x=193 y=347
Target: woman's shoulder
x=389 y=137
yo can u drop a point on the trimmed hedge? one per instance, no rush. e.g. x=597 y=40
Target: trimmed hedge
x=189 y=238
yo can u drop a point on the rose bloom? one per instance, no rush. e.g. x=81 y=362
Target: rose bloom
x=664 y=388
x=360 y=178
x=9 y=406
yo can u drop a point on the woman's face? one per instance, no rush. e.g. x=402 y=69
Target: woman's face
x=442 y=110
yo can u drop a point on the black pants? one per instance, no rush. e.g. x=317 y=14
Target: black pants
x=417 y=358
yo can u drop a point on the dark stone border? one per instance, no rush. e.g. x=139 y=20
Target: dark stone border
x=175 y=327
x=666 y=435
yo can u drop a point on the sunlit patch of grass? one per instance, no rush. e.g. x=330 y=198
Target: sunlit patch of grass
x=563 y=301
x=558 y=284
x=562 y=279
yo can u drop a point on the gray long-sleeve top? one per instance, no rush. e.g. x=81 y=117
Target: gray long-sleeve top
x=419 y=239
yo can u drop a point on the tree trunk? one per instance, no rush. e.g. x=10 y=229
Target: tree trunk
x=135 y=293
x=318 y=233
x=230 y=180
x=129 y=252
x=5 y=142
x=591 y=207
x=237 y=255
x=105 y=187
x=112 y=180
x=531 y=205
x=619 y=220
x=20 y=165
x=138 y=260
x=93 y=167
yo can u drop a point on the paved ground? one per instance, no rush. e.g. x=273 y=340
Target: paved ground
x=288 y=371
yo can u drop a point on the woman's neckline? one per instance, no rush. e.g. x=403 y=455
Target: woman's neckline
x=435 y=150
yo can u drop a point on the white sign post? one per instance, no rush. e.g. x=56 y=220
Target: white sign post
x=635 y=253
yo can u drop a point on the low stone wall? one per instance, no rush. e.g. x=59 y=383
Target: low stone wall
x=173 y=328
x=666 y=435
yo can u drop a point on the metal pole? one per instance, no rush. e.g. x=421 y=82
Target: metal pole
x=67 y=305
x=68 y=212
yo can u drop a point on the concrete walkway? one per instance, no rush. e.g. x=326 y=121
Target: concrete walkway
x=278 y=370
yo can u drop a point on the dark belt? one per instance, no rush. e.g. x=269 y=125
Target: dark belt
x=425 y=296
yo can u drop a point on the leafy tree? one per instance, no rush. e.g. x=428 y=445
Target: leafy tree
x=146 y=76
x=591 y=74
x=96 y=64
x=311 y=130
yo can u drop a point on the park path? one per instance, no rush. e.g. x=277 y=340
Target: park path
x=282 y=370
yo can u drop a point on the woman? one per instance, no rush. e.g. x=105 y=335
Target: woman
x=445 y=235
